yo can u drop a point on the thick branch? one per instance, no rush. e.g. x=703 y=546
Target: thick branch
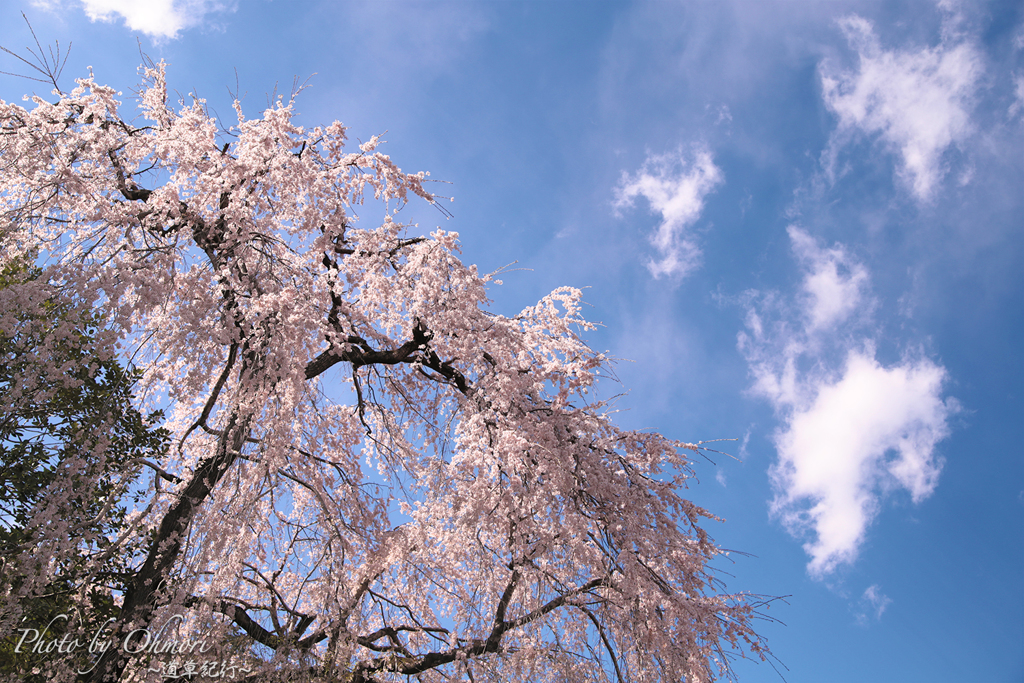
x=141 y=596
x=358 y=353
x=164 y=474
x=410 y=666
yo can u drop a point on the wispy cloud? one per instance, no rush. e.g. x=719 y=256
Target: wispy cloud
x=849 y=433
x=432 y=35
x=158 y=19
x=872 y=604
x=675 y=189
x=917 y=101
x=1018 y=96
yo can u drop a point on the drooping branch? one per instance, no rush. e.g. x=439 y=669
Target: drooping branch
x=214 y=395
x=604 y=639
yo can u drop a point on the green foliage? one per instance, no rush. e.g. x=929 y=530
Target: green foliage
x=71 y=446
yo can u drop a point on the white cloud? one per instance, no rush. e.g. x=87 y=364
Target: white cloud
x=847 y=435
x=158 y=19
x=918 y=102
x=834 y=283
x=676 y=190
x=834 y=452
x=873 y=602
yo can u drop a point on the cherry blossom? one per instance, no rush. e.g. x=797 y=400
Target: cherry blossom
x=371 y=475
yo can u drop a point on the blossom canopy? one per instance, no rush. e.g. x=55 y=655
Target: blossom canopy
x=370 y=475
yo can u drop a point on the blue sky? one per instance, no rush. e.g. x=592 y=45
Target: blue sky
x=802 y=223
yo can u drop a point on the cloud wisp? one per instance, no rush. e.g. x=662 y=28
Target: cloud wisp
x=917 y=102
x=1018 y=96
x=851 y=429
x=158 y=19
x=873 y=603
x=675 y=189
